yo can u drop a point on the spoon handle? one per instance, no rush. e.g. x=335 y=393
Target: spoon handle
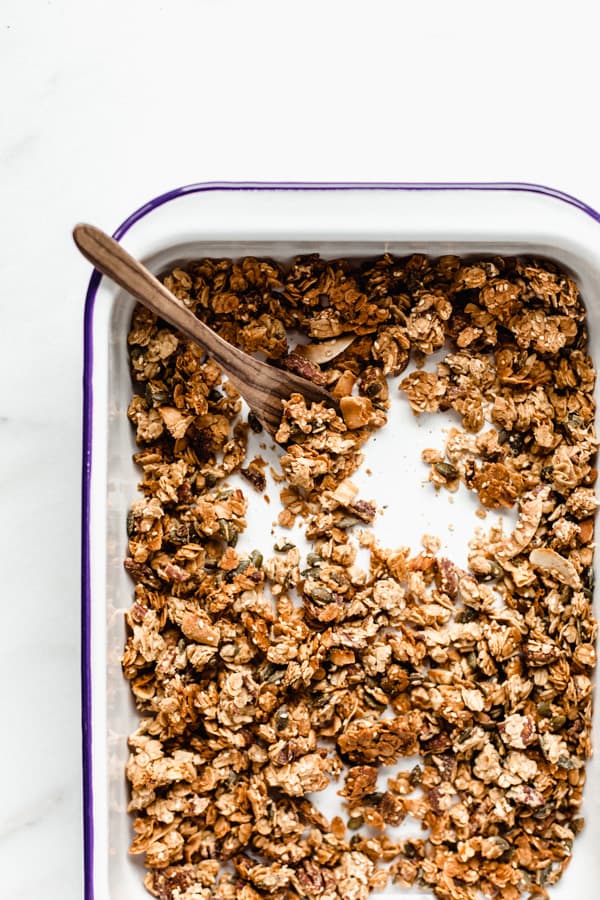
x=110 y=258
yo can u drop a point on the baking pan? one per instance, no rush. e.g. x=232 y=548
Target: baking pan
x=280 y=221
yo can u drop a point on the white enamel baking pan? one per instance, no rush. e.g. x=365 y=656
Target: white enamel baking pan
x=281 y=220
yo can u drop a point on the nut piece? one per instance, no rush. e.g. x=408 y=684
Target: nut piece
x=356 y=411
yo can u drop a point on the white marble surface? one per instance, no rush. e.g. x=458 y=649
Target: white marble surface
x=106 y=104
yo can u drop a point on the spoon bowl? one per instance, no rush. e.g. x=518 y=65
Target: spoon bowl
x=263 y=387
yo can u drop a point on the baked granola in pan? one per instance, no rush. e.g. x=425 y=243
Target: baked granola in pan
x=459 y=698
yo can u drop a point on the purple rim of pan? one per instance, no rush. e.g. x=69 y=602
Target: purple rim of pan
x=86 y=675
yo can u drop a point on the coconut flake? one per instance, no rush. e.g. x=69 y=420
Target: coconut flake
x=324 y=351
x=565 y=571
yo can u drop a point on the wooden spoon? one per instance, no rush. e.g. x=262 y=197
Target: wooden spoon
x=262 y=386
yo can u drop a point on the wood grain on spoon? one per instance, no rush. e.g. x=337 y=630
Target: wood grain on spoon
x=262 y=386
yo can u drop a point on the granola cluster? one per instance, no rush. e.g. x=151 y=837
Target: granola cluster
x=456 y=699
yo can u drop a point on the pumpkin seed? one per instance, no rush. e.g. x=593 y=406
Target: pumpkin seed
x=446 y=470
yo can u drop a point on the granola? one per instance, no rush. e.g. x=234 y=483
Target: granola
x=456 y=698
